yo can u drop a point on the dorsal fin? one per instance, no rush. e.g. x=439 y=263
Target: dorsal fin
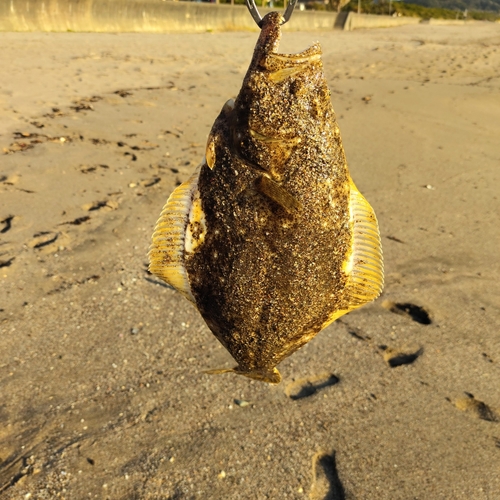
x=171 y=237
x=364 y=264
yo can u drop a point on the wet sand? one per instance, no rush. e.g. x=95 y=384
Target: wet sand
x=102 y=388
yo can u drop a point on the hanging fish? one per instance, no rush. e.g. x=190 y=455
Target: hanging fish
x=270 y=239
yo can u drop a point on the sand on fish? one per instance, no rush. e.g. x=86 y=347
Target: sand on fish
x=102 y=390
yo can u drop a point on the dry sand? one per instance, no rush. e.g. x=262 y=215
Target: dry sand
x=103 y=393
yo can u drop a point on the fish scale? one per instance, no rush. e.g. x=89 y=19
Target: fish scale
x=270 y=238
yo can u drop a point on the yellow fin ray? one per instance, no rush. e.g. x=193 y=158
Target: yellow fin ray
x=166 y=254
x=364 y=264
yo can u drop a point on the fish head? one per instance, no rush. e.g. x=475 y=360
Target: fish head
x=283 y=97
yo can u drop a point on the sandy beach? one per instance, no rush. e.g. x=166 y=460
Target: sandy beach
x=102 y=386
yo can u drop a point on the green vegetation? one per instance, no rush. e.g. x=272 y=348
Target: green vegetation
x=488 y=10
x=472 y=5
x=276 y=3
x=414 y=10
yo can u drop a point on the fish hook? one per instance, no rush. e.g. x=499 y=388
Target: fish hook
x=258 y=18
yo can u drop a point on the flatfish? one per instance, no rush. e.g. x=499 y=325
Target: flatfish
x=270 y=239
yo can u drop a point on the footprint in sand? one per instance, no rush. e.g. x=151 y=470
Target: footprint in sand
x=476 y=408
x=99 y=205
x=150 y=182
x=306 y=387
x=398 y=357
x=5 y=247
x=43 y=239
x=85 y=104
x=6 y=224
x=55 y=112
x=487 y=357
x=326 y=484
x=145 y=183
x=10 y=180
x=123 y=93
x=28 y=140
x=86 y=169
x=6 y=262
x=97 y=142
x=416 y=313
x=133 y=156
x=77 y=221
x=392 y=356
x=16 y=147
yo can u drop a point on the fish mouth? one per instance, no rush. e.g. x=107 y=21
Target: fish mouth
x=276 y=101
x=291 y=64
x=280 y=65
x=303 y=57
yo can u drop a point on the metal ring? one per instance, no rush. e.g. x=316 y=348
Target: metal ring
x=252 y=8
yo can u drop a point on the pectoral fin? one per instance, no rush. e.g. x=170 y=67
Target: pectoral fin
x=277 y=193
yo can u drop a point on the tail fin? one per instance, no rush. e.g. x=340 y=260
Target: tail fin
x=272 y=376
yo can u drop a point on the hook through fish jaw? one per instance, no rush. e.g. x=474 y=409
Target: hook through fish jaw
x=252 y=8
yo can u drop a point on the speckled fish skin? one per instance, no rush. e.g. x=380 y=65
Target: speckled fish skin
x=270 y=260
